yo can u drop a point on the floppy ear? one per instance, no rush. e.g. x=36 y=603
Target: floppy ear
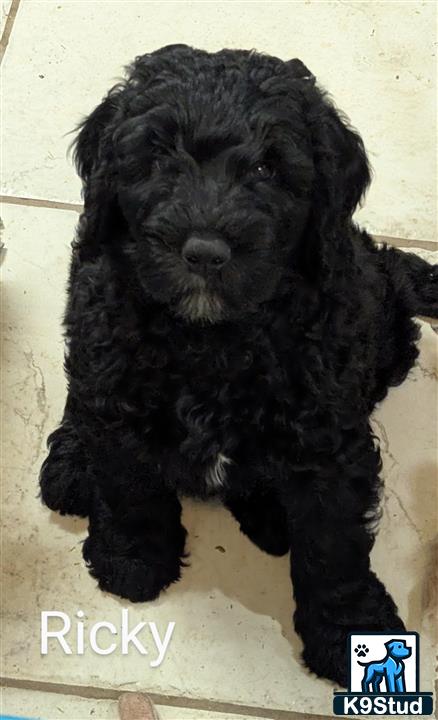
x=89 y=143
x=94 y=159
x=342 y=169
x=342 y=176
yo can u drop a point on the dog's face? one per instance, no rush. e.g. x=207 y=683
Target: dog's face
x=212 y=165
x=215 y=193
x=398 y=649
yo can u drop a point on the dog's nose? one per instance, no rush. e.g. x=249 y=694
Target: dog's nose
x=202 y=254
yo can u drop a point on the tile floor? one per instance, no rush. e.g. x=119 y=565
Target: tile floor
x=58 y=706
x=233 y=629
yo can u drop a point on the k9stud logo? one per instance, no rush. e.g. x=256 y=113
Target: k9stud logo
x=383 y=677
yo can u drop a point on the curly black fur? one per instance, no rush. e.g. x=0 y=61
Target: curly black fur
x=253 y=379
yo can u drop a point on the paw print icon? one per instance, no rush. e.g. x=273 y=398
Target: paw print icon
x=361 y=650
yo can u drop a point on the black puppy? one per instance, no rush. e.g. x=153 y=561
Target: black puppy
x=229 y=331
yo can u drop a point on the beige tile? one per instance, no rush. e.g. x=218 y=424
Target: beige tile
x=233 y=641
x=54 y=706
x=376 y=58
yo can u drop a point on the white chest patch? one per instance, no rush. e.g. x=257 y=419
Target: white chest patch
x=216 y=474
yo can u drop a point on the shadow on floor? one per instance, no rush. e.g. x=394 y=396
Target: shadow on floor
x=222 y=559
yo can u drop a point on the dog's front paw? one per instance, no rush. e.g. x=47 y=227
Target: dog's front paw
x=325 y=627
x=138 y=577
x=65 y=475
x=325 y=652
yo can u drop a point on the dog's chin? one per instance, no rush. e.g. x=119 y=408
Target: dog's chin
x=200 y=306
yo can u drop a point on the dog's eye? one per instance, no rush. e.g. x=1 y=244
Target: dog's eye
x=262 y=171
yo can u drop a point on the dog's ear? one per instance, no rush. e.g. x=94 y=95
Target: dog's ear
x=342 y=169
x=90 y=141
x=342 y=176
x=94 y=159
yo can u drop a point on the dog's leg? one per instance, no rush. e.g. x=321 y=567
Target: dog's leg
x=365 y=682
x=376 y=683
x=390 y=681
x=67 y=473
x=331 y=538
x=136 y=541
x=400 y=683
x=390 y=684
x=262 y=518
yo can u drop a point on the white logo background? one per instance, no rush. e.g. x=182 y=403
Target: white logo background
x=377 y=652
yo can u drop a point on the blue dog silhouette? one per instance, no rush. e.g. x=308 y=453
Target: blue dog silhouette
x=391 y=668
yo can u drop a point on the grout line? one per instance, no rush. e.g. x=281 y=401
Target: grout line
x=12 y=14
x=78 y=207
x=36 y=202
x=96 y=693
x=406 y=243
